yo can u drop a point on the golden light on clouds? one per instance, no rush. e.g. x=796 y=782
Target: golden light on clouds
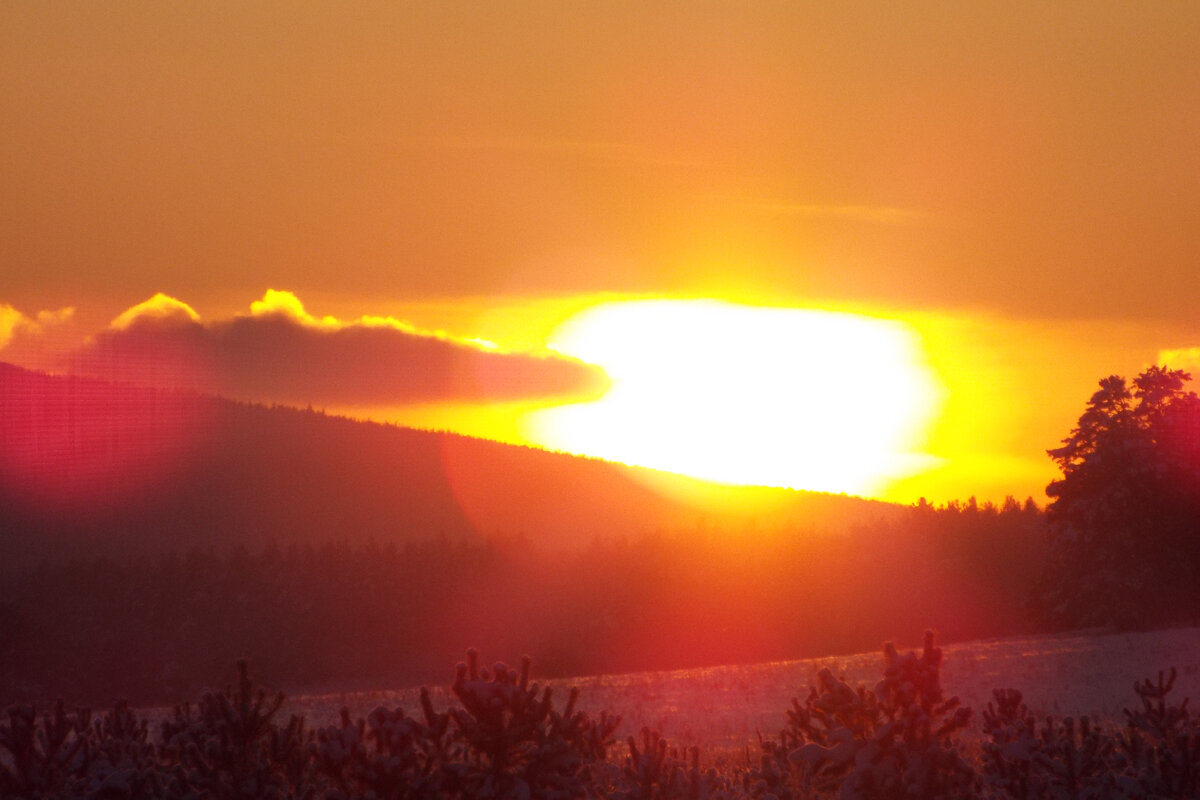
x=705 y=387
x=287 y=304
x=1185 y=358
x=1005 y=195
x=12 y=321
x=158 y=307
x=740 y=394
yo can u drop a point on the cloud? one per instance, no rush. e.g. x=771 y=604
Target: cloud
x=158 y=309
x=14 y=323
x=281 y=353
x=10 y=321
x=1185 y=358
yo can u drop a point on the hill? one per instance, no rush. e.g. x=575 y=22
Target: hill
x=157 y=536
x=91 y=467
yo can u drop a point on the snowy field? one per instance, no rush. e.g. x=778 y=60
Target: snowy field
x=723 y=707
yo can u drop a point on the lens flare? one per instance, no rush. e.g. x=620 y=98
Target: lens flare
x=75 y=447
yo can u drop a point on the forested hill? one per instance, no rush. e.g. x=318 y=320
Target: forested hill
x=88 y=467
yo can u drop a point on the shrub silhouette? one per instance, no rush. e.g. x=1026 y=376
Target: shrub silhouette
x=897 y=740
x=516 y=743
x=1156 y=756
x=1161 y=744
x=231 y=747
x=509 y=740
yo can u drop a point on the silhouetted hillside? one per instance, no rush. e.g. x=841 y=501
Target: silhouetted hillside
x=90 y=467
x=181 y=532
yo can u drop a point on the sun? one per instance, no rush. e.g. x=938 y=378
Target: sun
x=739 y=394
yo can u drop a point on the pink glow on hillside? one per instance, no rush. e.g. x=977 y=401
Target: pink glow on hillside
x=93 y=446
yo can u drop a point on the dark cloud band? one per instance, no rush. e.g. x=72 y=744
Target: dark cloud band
x=279 y=353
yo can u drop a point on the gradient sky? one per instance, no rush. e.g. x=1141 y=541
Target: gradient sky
x=1019 y=182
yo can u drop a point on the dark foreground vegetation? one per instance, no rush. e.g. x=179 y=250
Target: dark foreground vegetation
x=901 y=738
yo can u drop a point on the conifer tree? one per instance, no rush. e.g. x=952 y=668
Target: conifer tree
x=1125 y=514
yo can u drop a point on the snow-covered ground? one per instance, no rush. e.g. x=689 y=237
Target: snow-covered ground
x=724 y=707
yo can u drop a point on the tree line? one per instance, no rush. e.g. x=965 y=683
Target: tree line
x=1118 y=546
x=351 y=615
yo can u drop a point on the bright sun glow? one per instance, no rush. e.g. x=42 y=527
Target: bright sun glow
x=740 y=394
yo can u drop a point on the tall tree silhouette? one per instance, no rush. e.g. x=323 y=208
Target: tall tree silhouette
x=1125 y=514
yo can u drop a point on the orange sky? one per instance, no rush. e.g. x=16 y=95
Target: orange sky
x=1018 y=182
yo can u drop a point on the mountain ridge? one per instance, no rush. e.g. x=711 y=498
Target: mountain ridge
x=91 y=466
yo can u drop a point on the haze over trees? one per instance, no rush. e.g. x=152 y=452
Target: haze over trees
x=334 y=552
x=339 y=553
